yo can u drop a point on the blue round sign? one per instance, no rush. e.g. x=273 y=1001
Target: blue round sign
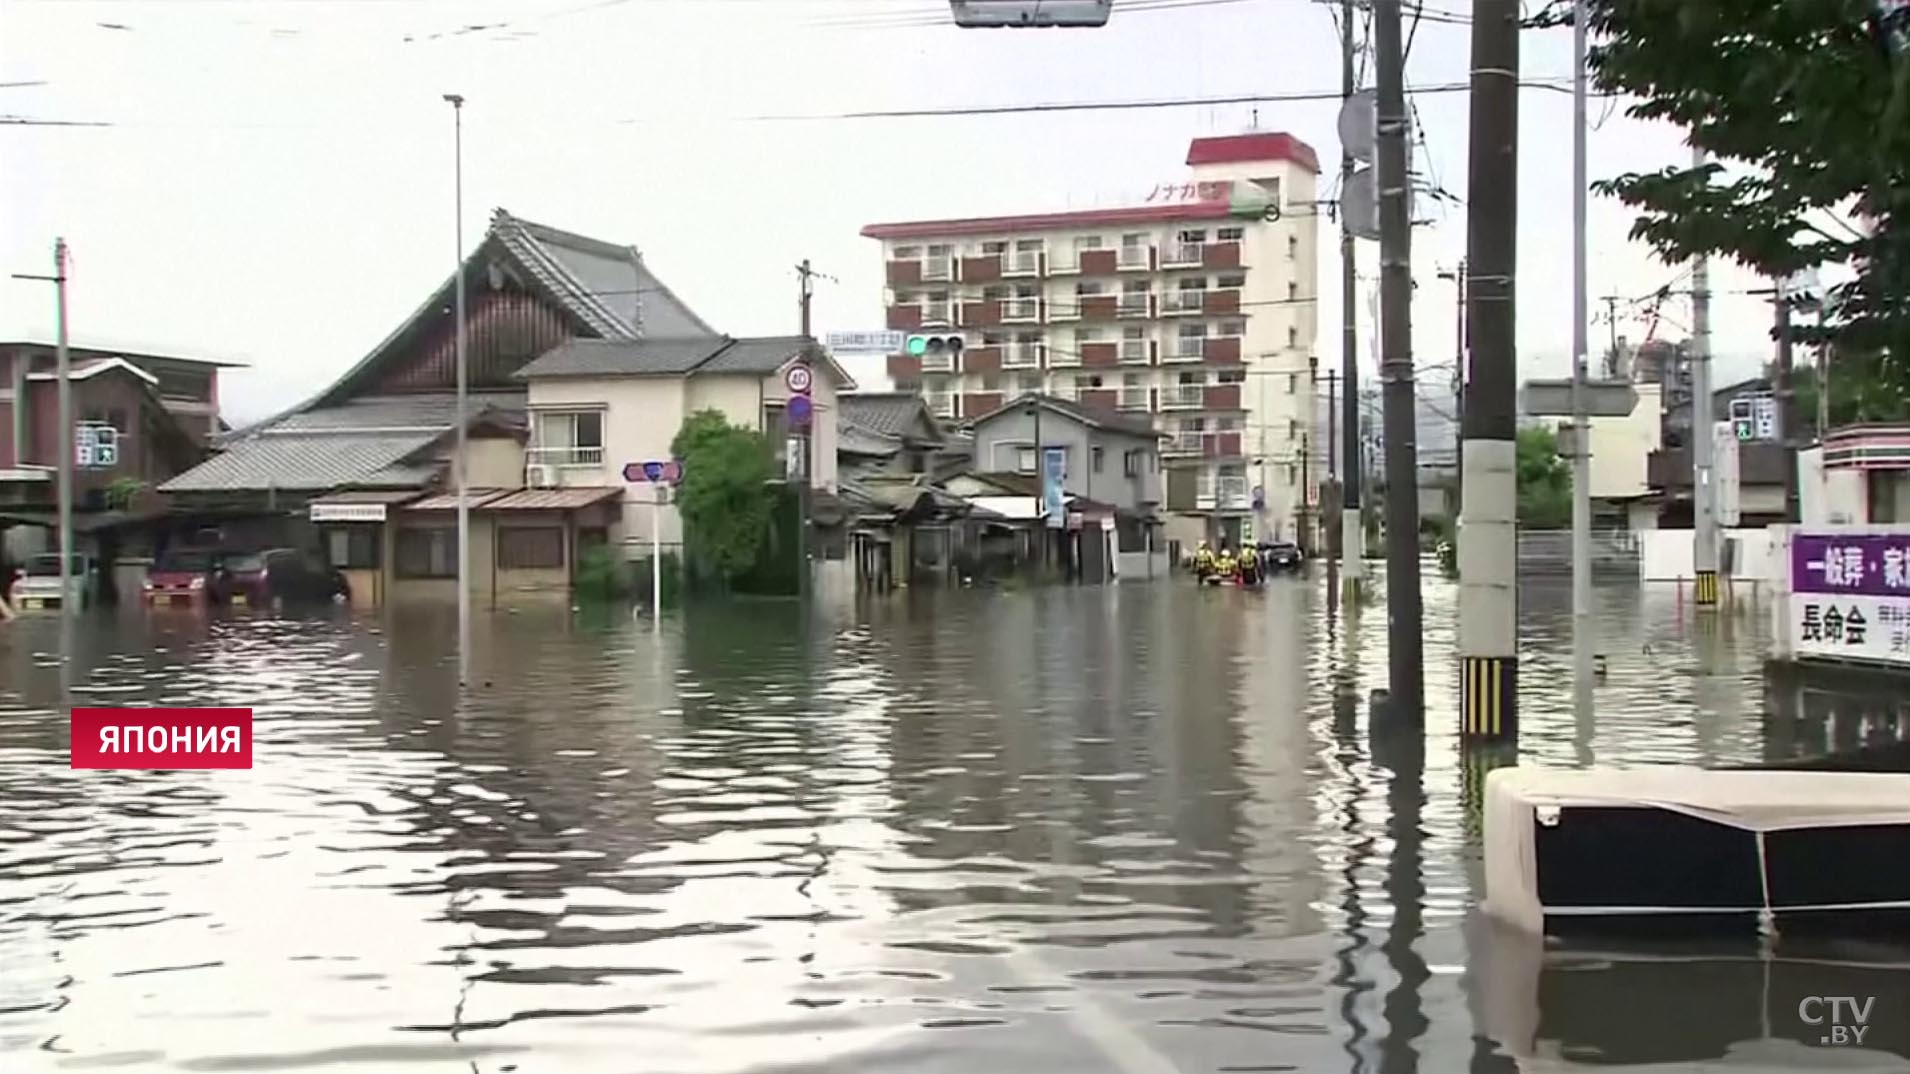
x=800 y=410
x=653 y=471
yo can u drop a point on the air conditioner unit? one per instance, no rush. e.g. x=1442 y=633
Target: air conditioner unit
x=540 y=477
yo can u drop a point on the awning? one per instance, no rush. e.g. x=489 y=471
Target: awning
x=448 y=501
x=358 y=505
x=560 y=499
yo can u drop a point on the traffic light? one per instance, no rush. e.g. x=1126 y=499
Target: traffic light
x=935 y=344
x=1742 y=425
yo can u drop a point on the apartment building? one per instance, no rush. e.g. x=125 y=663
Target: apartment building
x=1194 y=310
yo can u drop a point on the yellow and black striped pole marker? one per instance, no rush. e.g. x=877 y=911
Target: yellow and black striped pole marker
x=1706 y=589
x=1489 y=698
x=1475 y=763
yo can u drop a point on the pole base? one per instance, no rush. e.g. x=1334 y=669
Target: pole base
x=1705 y=589
x=1351 y=588
x=1489 y=698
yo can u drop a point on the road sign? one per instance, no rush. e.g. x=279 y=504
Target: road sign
x=1603 y=398
x=654 y=471
x=883 y=342
x=797 y=379
x=801 y=410
x=95 y=446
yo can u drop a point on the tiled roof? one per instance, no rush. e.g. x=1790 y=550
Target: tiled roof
x=855 y=441
x=559 y=499
x=883 y=413
x=366 y=442
x=607 y=286
x=1099 y=419
x=758 y=354
x=608 y=357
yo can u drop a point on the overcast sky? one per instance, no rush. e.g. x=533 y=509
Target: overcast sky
x=276 y=184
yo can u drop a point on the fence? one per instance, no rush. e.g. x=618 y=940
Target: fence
x=1614 y=552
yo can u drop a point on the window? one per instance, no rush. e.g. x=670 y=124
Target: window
x=530 y=547
x=1131 y=462
x=1131 y=382
x=1089 y=289
x=994 y=293
x=568 y=438
x=1089 y=334
x=1028 y=382
x=1028 y=339
x=353 y=547
x=938 y=249
x=1098 y=456
x=1230 y=376
x=1134 y=332
x=1134 y=287
x=1134 y=238
x=1293 y=290
x=1293 y=336
x=427 y=553
x=908 y=253
x=1230 y=234
x=1293 y=382
x=1234 y=328
x=1226 y=425
x=1231 y=281
x=1194 y=283
x=1293 y=428
x=991 y=383
x=1193 y=235
x=1293 y=247
x=989 y=248
x=1025 y=460
x=1086 y=242
x=994 y=339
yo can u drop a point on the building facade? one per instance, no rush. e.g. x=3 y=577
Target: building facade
x=1195 y=311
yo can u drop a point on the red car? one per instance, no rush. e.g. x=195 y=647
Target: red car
x=277 y=576
x=180 y=577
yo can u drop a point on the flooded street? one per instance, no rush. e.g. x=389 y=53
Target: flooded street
x=1133 y=829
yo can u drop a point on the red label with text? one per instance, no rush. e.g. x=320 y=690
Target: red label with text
x=162 y=738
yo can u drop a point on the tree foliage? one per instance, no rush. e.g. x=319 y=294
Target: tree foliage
x=724 y=497
x=1804 y=107
x=1545 y=482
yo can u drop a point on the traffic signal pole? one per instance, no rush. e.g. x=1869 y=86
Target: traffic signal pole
x=1704 y=492
x=1352 y=533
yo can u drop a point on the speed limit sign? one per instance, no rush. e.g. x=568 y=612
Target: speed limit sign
x=797 y=379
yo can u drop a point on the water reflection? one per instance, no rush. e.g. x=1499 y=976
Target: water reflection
x=1146 y=828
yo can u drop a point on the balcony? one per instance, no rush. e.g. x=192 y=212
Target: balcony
x=905 y=366
x=1184 y=397
x=1186 y=442
x=984 y=314
x=981 y=360
x=1220 y=303
x=1023 y=310
x=1136 y=258
x=1097 y=262
x=1100 y=398
x=1097 y=307
x=1098 y=355
x=1066 y=392
x=1021 y=263
x=1222 y=349
x=1062 y=358
x=937 y=312
x=564 y=456
x=1220 y=255
x=904 y=272
x=1223 y=397
x=1022 y=356
x=1227 y=493
x=1136 y=352
x=981 y=269
x=938 y=362
x=940 y=404
x=975 y=404
x=1132 y=399
x=1184 y=300
x=1182 y=255
x=1186 y=349
x=1133 y=304
x=937 y=267
x=903 y=318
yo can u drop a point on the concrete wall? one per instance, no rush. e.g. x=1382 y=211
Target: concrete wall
x=494 y=462
x=1621 y=446
x=1665 y=555
x=998 y=442
x=641 y=417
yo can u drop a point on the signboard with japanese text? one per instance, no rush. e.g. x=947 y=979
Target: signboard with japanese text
x=1850 y=596
x=1054 y=479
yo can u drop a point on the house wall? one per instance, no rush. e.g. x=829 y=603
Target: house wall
x=822 y=393
x=642 y=415
x=494 y=462
x=483 y=557
x=1621 y=448
x=533 y=585
x=998 y=441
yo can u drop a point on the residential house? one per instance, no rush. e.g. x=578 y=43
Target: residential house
x=1110 y=465
x=597 y=405
x=364 y=469
x=887 y=433
x=139 y=420
x=1753 y=470
x=1860 y=475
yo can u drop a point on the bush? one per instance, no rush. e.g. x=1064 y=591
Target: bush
x=603 y=575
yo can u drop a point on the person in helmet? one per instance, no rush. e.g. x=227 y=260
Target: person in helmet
x=1224 y=564
x=1203 y=562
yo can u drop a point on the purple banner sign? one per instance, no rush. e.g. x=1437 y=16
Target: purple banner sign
x=1873 y=564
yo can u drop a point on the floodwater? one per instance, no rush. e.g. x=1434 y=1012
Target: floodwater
x=1135 y=829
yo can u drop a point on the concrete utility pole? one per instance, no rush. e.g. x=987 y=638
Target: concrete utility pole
x=1352 y=532
x=1403 y=619
x=64 y=445
x=458 y=465
x=806 y=287
x=1584 y=640
x=1488 y=514
x=1704 y=491
x=1786 y=392
x=1458 y=278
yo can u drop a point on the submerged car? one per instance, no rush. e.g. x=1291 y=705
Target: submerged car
x=181 y=577
x=38 y=585
x=278 y=576
x=1281 y=557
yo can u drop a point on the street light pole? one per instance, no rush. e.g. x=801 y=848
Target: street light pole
x=458 y=467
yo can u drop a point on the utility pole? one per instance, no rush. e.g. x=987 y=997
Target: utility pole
x=1333 y=546
x=1403 y=621
x=1352 y=530
x=1786 y=392
x=1704 y=493
x=805 y=282
x=1489 y=548
x=1458 y=277
x=458 y=465
x=1611 y=334
x=1584 y=642
x=64 y=445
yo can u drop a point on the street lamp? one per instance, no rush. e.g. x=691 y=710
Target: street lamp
x=458 y=463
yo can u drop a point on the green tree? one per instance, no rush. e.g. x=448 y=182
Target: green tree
x=725 y=496
x=1545 y=482
x=1804 y=107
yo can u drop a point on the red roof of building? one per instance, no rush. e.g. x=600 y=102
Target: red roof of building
x=1242 y=148
x=1211 y=206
